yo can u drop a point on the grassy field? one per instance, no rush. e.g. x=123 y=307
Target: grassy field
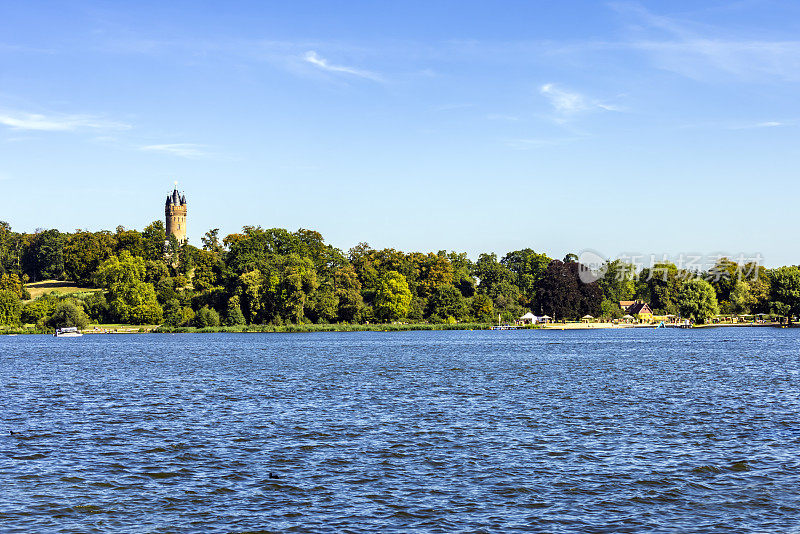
x=37 y=289
x=91 y=329
x=119 y=328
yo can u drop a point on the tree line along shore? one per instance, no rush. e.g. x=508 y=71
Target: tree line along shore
x=274 y=280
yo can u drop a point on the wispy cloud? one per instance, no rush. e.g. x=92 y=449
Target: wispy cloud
x=742 y=125
x=765 y=124
x=183 y=150
x=17 y=120
x=704 y=51
x=313 y=58
x=569 y=103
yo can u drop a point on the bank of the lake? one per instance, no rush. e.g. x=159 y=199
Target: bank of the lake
x=397 y=327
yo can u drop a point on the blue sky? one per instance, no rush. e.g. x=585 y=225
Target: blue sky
x=645 y=127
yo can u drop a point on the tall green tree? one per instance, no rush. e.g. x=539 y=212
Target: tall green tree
x=12 y=246
x=153 y=238
x=433 y=271
x=84 y=252
x=786 y=289
x=660 y=286
x=44 y=257
x=482 y=308
x=211 y=241
x=298 y=284
x=741 y=298
x=130 y=299
x=462 y=272
x=393 y=299
x=697 y=300
x=129 y=240
x=234 y=315
x=12 y=282
x=10 y=308
x=528 y=267
x=447 y=301
x=347 y=289
x=617 y=282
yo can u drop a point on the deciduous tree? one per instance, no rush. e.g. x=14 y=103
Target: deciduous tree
x=393 y=298
x=786 y=289
x=10 y=308
x=697 y=300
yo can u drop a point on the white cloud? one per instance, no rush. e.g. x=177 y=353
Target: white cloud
x=563 y=101
x=56 y=123
x=743 y=125
x=765 y=124
x=322 y=63
x=568 y=103
x=183 y=150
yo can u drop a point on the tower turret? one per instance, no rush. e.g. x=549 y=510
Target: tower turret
x=175 y=213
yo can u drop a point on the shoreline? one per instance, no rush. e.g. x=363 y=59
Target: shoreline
x=308 y=329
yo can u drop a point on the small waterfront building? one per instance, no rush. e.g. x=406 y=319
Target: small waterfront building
x=641 y=310
x=528 y=318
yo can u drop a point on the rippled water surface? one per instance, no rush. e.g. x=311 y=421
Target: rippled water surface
x=555 y=431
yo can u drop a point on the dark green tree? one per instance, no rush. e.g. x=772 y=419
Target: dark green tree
x=786 y=289
x=446 y=301
x=234 y=315
x=84 y=252
x=527 y=267
x=347 y=289
x=211 y=241
x=68 y=314
x=697 y=300
x=206 y=317
x=562 y=295
x=44 y=257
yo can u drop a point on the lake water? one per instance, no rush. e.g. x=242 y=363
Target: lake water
x=554 y=431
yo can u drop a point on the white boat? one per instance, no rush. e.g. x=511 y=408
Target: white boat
x=69 y=331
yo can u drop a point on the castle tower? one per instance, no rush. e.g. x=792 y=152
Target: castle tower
x=175 y=212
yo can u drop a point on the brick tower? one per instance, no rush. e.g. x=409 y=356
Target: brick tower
x=175 y=212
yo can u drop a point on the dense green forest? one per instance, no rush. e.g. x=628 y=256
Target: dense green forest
x=276 y=277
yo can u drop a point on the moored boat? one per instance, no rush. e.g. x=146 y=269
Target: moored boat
x=69 y=331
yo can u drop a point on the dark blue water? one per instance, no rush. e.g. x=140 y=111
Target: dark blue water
x=554 y=431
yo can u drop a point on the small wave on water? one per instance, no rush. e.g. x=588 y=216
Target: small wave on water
x=534 y=431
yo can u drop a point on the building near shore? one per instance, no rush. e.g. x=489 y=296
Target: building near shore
x=641 y=310
x=175 y=214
